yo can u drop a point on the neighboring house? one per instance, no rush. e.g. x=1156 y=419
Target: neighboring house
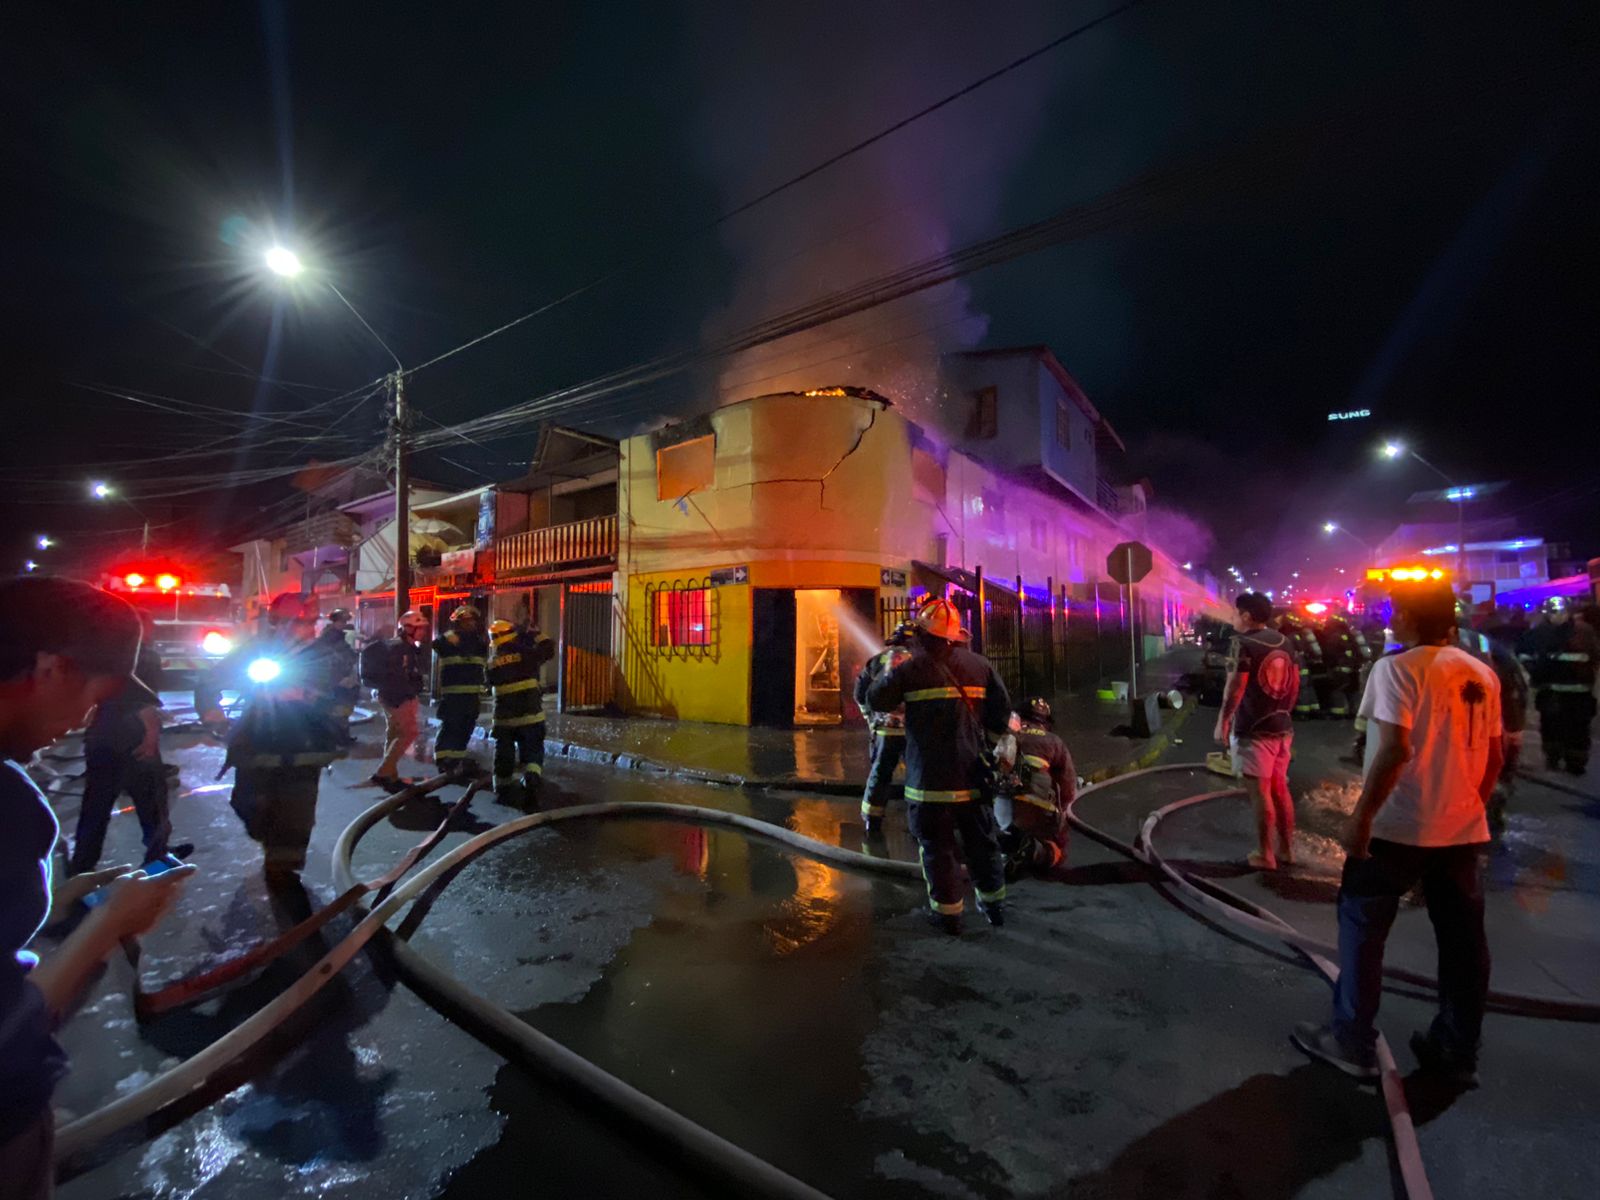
x=1501 y=554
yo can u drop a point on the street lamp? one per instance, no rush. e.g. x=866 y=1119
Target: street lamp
x=1335 y=527
x=283 y=261
x=286 y=264
x=101 y=490
x=45 y=541
x=30 y=565
x=1453 y=492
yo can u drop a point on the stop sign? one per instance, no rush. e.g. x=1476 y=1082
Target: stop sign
x=1129 y=562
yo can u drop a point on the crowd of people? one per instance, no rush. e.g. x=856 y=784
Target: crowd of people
x=986 y=788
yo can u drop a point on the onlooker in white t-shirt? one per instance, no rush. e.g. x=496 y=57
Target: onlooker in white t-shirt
x=1433 y=755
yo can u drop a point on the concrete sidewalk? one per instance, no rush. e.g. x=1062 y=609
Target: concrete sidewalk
x=834 y=759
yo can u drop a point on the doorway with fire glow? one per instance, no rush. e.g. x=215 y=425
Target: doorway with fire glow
x=808 y=646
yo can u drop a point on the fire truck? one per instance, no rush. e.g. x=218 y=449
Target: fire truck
x=194 y=622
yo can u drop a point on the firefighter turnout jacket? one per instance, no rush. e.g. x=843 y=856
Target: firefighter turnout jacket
x=514 y=676
x=1561 y=658
x=462 y=656
x=285 y=722
x=952 y=698
x=1047 y=782
x=887 y=724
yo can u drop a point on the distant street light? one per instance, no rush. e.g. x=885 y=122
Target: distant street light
x=283 y=261
x=45 y=541
x=1453 y=492
x=101 y=490
x=30 y=565
x=1335 y=527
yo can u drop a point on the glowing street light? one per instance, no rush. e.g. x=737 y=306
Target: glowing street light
x=45 y=541
x=1454 y=493
x=1393 y=449
x=283 y=261
x=30 y=565
x=1335 y=527
x=101 y=490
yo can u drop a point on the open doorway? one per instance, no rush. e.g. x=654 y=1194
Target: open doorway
x=817 y=677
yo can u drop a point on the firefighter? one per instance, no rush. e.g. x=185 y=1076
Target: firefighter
x=335 y=639
x=463 y=654
x=1308 y=652
x=392 y=668
x=1343 y=659
x=1515 y=691
x=953 y=701
x=1041 y=784
x=284 y=737
x=887 y=730
x=518 y=725
x=1561 y=656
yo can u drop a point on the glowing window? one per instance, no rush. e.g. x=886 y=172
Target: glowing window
x=687 y=467
x=681 y=618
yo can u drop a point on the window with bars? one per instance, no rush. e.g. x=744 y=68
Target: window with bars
x=681 y=618
x=1063 y=426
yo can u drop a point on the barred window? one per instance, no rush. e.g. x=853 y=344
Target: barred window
x=681 y=618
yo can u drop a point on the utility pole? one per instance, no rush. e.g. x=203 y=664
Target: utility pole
x=402 y=500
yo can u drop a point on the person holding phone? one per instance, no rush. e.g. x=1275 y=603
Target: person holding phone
x=65 y=648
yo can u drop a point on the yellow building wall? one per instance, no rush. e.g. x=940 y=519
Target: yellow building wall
x=693 y=683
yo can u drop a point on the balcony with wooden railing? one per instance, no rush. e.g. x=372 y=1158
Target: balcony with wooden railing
x=589 y=542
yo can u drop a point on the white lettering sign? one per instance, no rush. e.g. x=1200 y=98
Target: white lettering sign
x=1350 y=415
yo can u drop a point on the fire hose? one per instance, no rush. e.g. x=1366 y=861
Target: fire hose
x=694 y=1144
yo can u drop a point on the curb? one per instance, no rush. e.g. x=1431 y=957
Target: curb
x=623 y=760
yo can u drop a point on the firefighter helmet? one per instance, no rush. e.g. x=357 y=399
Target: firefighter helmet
x=340 y=614
x=291 y=606
x=412 y=619
x=1554 y=604
x=1039 y=710
x=902 y=635
x=465 y=612
x=939 y=618
x=496 y=628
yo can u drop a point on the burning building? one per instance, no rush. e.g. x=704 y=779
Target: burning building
x=765 y=546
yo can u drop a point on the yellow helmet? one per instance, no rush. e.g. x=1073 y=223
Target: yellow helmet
x=496 y=628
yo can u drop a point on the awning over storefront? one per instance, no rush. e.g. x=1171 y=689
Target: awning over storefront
x=932 y=578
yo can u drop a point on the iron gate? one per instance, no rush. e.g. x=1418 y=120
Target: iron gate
x=588 y=674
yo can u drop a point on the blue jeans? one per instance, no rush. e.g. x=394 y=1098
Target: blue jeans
x=1369 y=899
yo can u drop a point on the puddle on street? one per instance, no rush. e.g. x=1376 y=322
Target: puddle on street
x=718 y=974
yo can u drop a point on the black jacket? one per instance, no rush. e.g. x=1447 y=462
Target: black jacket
x=884 y=722
x=952 y=696
x=462 y=656
x=393 y=669
x=285 y=720
x=514 y=675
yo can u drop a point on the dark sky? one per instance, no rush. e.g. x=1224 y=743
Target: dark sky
x=1316 y=208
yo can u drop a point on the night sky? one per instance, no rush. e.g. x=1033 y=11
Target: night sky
x=1304 y=208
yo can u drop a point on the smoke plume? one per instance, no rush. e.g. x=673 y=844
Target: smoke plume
x=789 y=86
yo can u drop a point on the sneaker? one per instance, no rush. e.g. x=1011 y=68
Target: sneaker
x=946 y=923
x=1436 y=1060
x=1320 y=1042
x=1260 y=861
x=994 y=913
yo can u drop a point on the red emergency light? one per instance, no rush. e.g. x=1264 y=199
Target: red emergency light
x=1316 y=608
x=133 y=579
x=167 y=582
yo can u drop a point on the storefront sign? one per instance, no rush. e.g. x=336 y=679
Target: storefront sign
x=892 y=578
x=726 y=575
x=458 y=562
x=1351 y=414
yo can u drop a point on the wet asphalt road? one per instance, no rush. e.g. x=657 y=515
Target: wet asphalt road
x=1106 y=1043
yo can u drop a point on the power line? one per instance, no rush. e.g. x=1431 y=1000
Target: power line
x=810 y=172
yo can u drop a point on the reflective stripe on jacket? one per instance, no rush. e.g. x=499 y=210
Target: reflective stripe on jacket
x=951 y=698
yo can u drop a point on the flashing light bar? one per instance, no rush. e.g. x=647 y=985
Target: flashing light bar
x=1404 y=574
x=1316 y=607
x=133 y=579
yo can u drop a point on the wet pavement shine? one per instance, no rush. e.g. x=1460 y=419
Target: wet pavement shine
x=1106 y=1043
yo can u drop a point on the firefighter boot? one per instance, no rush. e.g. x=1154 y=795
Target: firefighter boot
x=512 y=795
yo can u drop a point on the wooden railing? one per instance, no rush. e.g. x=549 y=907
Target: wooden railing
x=593 y=539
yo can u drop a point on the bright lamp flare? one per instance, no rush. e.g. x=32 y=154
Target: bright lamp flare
x=283 y=261
x=100 y=490
x=264 y=670
x=1328 y=527
x=216 y=643
x=1393 y=449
